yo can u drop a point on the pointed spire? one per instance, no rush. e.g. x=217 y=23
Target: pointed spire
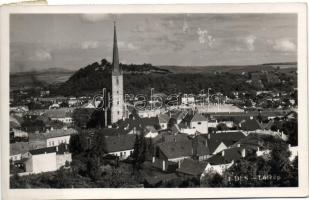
x=116 y=68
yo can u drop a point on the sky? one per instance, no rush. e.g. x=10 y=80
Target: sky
x=72 y=41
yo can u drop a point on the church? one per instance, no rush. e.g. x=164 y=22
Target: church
x=117 y=101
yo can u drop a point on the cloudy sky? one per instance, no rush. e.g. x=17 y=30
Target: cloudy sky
x=41 y=41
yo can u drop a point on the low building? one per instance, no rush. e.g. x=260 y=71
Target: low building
x=47 y=159
x=187 y=99
x=195 y=122
x=19 y=151
x=250 y=124
x=174 y=151
x=224 y=160
x=55 y=137
x=119 y=145
x=191 y=168
x=62 y=114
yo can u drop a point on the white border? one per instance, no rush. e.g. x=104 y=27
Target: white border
x=135 y=193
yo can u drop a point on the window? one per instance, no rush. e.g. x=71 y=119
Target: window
x=120 y=154
x=124 y=153
x=117 y=102
x=199 y=123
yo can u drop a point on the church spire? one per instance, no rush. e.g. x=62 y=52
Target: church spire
x=116 y=67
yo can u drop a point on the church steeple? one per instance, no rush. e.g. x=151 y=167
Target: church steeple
x=116 y=67
x=117 y=109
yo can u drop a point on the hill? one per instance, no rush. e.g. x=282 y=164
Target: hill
x=95 y=76
x=39 y=78
x=235 y=69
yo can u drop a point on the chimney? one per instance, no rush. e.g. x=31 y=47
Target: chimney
x=163 y=165
x=258 y=149
x=243 y=153
x=51 y=128
x=153 y=159
x=208 y=136
x=223 y=153
x=57 y=149
x=66 y=147
x=238 y=145
x=179 y=164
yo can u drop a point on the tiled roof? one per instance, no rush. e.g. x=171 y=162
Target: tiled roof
x=119 y=143
x=59 y=133
x=192 y=167
x=229 y=155
x=59 y=113
x=110 y=131
x=61 y=150
x=168 y=137
x=178 y=115
x=250 y=125
x=19 y=148
x=200 y=146
x=198 y=117
x=138 y=123
x=226 y=137
x=176 y=149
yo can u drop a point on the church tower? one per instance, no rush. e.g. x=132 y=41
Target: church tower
x=117 y=109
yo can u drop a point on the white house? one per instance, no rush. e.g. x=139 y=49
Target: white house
x=56 y=137
x=217 y=168
x=200 y=123
x=19 y=133
x=47 y=159
x=188 y=99
x=224 y=160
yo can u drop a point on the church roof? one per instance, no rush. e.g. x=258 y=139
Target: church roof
x=116 y=67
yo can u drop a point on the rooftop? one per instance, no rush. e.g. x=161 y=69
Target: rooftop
x=119 y=143
x=192 y=167
x=176 y=149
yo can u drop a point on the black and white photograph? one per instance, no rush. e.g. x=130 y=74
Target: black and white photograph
x=154 y=100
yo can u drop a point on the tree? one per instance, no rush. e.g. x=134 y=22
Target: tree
x=222 y=127
x=81 y=116
x=139 y=153
x=212 y=180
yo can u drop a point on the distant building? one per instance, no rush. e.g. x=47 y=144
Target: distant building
x=163 y=120
x=187 y=99
x=56 y=137
x=63 y=114
x=193 y=123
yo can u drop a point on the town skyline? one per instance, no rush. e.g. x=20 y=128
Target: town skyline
x=181 y=39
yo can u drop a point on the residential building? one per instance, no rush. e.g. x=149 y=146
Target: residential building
x=119 y=145
x=47 y=159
